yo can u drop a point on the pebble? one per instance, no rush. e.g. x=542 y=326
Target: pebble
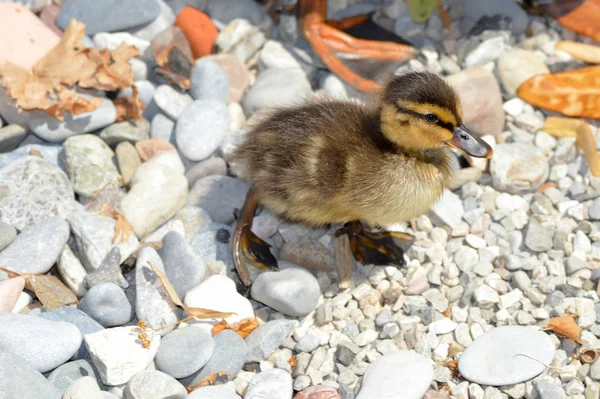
x=107 y=304
x=158 y=191
x=208 y=167
x=150 y=384
x=538 y=238
x=83 y=388
x=10 y=290
x=201 y=128
x=165 y=19
x=29 y=338
x=481 y=100
x=108 y=271
x=26 y=381
x=11 y=136
x=7 y=235
x=265 y=339
x=443 y=326
x=239 y=76
x=37 y=248
x=94 y=238
x=474 y=10
x=320 y=392
x=308 y=343
x=63 y=376
x=171 y=102
x=155 y=146
x=125 y=131
x=219 y=293
x=163 y=127
x=273 y=384
x=309 y=254
x=89 y=163
x=518 y=65
x=128 y=160
x=34 y=190
x=183 y=267
x=112 y=41
x=276 y=87
x=72 y=271
x=518 y=168
x=503 y=345
x=108 y=16
x=218 y=196
x=402 y=373
x=448 y=211
x=118 y=354
x=292 y=291
x=209 y=82
x=213 y=243
x=174 y=356
x=230 y=354
x=50 y=129
x=241 y=39
x=226 y=11
x=213 y=392
x=198 y=29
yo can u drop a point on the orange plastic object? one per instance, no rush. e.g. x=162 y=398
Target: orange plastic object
x=198 y=30
x=573 y=93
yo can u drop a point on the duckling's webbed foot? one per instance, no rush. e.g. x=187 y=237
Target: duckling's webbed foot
x=376 y=248
x=247 y=246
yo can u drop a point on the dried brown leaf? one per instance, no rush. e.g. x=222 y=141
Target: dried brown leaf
x=199 y=313
x=50 y=291
x=581 y=51
x=129 y=107
x=211 y=379
x=565 y=326
x=243 y=327
x=123 y=229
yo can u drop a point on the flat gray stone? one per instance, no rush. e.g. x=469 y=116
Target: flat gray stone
x=403 y=373
x=208 y=167
x=11 y=136
x=170 y=101
x=293 y=291
x=63 y=376
x=7 y=235
x=50 y=152
x=183 y=267
x=174 y=356
x=266 y=339
x=218 y=196
x=150 y=384
x=21 y=380
x=34 y=190
x=107 y=304
x=163 y=127
x=213 y=242
x=131 y=131
x=213 y=392
x=276 y=87
x=273 y=384
x=42 y=343
x=494 y=358
x=209 y=81
x=37 y=248
x=108 y=271
x=83 y=388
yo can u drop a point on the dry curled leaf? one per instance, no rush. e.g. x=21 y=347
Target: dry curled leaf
x=572 y=93
x=569 y=127
x=199 y=313
x=50 y=84
x=565 y=326
x=211 y=379
x=581 y=51
x=243 y=327
x=129 y=107
x=50 y=291
x=173 y=56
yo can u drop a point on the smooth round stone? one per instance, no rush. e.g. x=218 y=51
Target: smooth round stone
x=63 y=376
x=37 y=248
x=292 y=291
x=107 y=304
x=11 y=136
x=518 y=168
x=308 y=343
x=493 y=358
x=55 y=131
x=226 y=11
x=84 y=323
x=150 y=384
x=128 y=160
x=170 y=101
x=193 y=219
x=163 y=127
x=10 y=290
x=72 y=271
x=126 y=131
x=50 y=152
x=218 y=195
x=273 y=384
x=209 y=81
x=402 y=374
x=183 y=267
x=108 y=15
x=25 y=381
x=208 y=167
x=34 y=190
x=515 y=67
x=266 y=338
x=7 y=235
x=43 y=343
x=213 y=392
x=229 y=356
x=174 y=356
x=276 y=87
x=213 y=242
x=201 y=128
x=165 y=20
x=83 y=388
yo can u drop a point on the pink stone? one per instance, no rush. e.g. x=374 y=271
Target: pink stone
x=318 y=392
x=48 y=17
x=25 y=38
x=9 y=293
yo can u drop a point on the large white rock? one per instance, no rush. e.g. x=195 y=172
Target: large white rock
x=219 y=293
x=397 y=375
x=505 y=356
x=118 y=354
x=158 y=190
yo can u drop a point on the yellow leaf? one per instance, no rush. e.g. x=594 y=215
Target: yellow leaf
x=51 y=292
x=243 y=327
x=566 y=327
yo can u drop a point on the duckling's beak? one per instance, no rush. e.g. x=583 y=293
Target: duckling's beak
x=465 y=141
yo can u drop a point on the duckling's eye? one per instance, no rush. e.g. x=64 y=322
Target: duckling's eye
x=431 y=118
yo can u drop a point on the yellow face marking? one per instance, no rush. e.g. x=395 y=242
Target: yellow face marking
x=444 y=114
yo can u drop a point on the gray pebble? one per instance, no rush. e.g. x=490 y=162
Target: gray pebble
x=208 y=167
x=538 y=237
x=384 y=317
x=548 y=390
x=83 y=388
x=184 y=351
x=183 y=267
x=25 y=381
x=209 y=82
x=151 y=384
x=308 y=343
x=37 y=248
x=107 y=304
x=11 y=136
x=274 y=384
x=213 y=392
x=163 y=127
x=276 y=87
x=7 y=235
x=218 y=196
x=130 y=130
x=594 y=211
x=108 y=271
x=213 y=242
x=170 y=101
x=63 y=376
x=265 y=339
x=42 y=343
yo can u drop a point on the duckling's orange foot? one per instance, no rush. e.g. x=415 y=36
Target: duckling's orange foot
x=247 y=246
x=376 y=248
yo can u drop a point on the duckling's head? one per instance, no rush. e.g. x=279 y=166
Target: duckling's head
x=420 y=111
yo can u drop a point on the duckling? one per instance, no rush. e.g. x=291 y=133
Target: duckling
x=385 y=161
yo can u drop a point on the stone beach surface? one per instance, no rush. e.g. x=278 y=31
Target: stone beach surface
x=511 y=244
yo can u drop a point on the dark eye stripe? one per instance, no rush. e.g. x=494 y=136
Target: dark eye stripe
x=446 y=125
